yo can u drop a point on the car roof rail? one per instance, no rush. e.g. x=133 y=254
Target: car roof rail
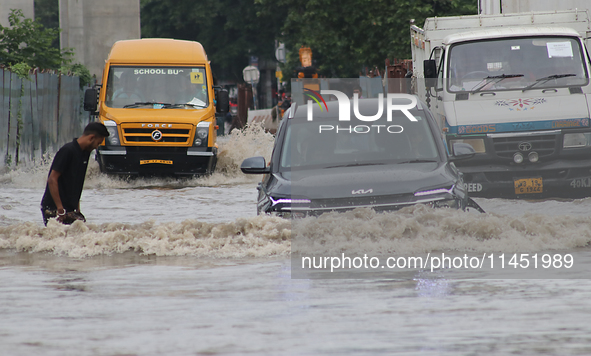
x=292 y=110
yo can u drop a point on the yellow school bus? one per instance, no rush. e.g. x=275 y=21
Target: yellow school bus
x=158 y=101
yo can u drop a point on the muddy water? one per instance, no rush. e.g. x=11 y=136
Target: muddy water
x=166 y=267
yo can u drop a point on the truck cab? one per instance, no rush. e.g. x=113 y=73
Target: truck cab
x=158 y=102
x=519 y=96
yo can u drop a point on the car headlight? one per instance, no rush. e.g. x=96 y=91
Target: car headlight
x=476 y=143
x=442 y=198
x=290 y=207
x=201 y=134
x=573 y=140
x=290 y=214
x=113 y=138
x=423 y=193
x=446 y=203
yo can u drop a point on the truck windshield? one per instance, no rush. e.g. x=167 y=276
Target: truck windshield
x=516 y=64
x=141 y=87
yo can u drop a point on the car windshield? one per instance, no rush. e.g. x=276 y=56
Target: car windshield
x=157 y=87
x=516 y=64
x=318 y=144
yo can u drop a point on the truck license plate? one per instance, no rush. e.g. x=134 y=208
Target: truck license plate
x=528 y=185
x=149 y=161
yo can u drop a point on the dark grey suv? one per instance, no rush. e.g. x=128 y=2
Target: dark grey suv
x=322 y=163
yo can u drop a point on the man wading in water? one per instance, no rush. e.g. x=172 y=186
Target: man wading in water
x=66 y=176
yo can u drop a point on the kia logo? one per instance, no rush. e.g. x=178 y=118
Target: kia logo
x=361 y=191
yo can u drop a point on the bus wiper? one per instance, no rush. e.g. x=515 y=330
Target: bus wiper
x=135 y=105
x=496 y=79
x=168 y=106
x=545 y=79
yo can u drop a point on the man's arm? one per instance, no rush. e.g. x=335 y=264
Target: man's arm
x=55 y=191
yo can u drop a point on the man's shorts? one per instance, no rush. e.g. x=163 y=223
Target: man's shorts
x=69 y=219
x=47 y=214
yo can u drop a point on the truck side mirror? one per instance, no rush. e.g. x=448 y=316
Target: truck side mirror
x=430 y=68
x=462 y=151
x=223 y=101
x=90 y=100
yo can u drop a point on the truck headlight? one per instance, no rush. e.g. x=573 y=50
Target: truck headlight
x=573 y=140
x=113 y=138
x=201 y=134
x=476 y=143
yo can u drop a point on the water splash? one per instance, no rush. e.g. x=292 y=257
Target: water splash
x=412 y=230
x=233 y=149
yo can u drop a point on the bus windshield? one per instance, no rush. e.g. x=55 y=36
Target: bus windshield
x=141 y=87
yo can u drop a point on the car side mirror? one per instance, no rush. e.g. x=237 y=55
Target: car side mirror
x=255 y=165
x=90 y=100
x=223 y=101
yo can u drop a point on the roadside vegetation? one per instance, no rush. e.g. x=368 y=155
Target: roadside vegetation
x=344 y=35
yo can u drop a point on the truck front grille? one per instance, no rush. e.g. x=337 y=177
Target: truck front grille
x=544 y=145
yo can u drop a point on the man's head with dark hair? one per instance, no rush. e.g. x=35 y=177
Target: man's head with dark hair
x=94 y=134
x=96 y=128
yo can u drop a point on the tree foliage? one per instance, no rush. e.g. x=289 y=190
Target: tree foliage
x=229 y=30
x=346 y=35
x=27 y=41
x=47 y=14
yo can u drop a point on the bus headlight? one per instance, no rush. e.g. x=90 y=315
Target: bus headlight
x=201 y=134
x=113 y=138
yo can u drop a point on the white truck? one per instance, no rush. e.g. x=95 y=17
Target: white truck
x=512 y=90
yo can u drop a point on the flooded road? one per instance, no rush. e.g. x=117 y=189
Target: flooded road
x=166 y=267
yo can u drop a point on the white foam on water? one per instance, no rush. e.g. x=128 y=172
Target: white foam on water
x=259 y=236
x=419 y=229
x=233 y=149
x=413 y=230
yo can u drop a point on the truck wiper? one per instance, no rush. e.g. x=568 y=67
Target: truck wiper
x=545 y=79
x=496 y=78
x=135 y=105
x=417 y=161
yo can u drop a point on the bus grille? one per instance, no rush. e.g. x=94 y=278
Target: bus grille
x=177 y=135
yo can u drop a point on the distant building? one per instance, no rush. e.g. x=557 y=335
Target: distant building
x=91 y=27
x=28 y=7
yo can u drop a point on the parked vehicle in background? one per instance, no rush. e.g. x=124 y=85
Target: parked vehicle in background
x=515 y=87
x=315 y=169
x=157 y=100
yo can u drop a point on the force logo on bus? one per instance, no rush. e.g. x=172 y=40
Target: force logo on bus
x=156 y=135
x=162 y=126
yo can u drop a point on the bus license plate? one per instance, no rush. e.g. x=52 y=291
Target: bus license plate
x=528 y=186
x=149 y=161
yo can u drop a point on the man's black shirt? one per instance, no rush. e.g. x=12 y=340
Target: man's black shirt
x=71 y=161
